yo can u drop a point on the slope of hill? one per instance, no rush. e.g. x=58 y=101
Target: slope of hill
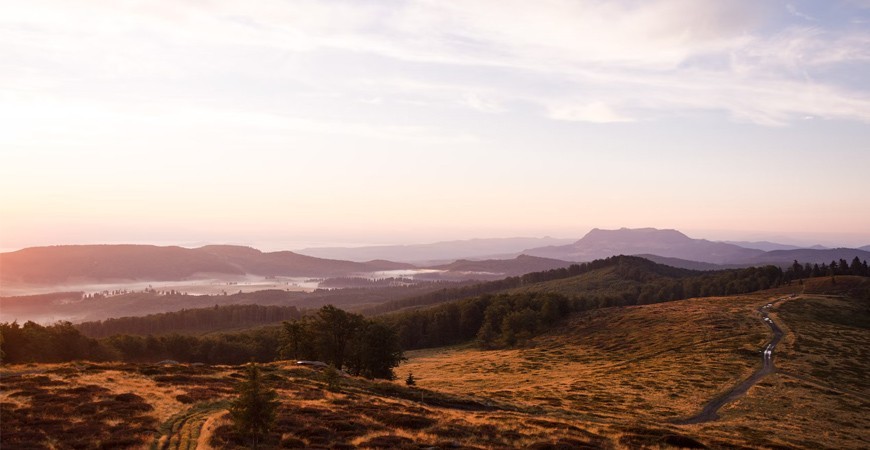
x=642 y=368
x=669 y=243
x=526 y=306
x=90 y=263
x=763 y=245
x=520 y=265
x=683 y=263
x=438 y=251
x=866 y=248
x=617 y=278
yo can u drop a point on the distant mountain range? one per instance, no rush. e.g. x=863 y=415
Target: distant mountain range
x=598 y=244
x=89 y=263
x=438 y=252
x=675 y=248
x=80 y=264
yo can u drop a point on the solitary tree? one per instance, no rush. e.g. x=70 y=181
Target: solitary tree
x=410 y=381
x=253 y=413
x=332 y=378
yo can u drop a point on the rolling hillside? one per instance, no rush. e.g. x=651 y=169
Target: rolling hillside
x=641 y=369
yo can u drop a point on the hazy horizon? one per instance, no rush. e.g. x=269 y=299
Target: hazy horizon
x=287 y=125
x=266 y=244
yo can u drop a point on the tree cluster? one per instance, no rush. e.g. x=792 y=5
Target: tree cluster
x=259 y=345
x=344 y=340
x=62 y=342
x=797 y=270
x=347 y=341
x=56 y=343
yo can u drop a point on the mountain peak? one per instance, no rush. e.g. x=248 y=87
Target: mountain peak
x=600 y=243
x=634 y=235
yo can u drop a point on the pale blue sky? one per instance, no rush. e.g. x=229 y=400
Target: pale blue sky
x=284 y=123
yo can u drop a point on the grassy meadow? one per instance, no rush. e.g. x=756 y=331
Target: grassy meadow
x=643 y=367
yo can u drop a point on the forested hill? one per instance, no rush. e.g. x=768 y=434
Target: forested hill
x=631 y=266
x=522 y=307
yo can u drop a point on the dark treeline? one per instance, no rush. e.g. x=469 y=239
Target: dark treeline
x=62 y=342
x=797 y=270
x=509 y=318
x=346 y=340
x=192 y=321
x=456 y=293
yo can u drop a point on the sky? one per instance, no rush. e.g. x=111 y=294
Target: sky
x=283 y=124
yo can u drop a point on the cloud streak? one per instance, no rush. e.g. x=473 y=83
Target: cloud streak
x=616 y=61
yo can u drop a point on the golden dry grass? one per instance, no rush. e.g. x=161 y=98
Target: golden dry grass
x=658 y=362
x=634 y=370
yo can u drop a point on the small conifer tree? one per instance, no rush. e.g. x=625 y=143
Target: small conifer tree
x=410 y=381
x=333 y=379
x=253 y=412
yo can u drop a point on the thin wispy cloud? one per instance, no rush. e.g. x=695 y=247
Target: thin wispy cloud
x=794 y=11
x=601 y=49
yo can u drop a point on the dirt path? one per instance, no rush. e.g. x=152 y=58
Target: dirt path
x=709 y=412
x=184 y=430
x=208 y=427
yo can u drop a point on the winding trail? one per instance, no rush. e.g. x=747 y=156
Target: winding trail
x=708 y=413
x=184 y=430
x=208 y=427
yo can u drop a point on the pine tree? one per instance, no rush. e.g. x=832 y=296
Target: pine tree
x=410 y=381
x=253 y=413
x=332 y=378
